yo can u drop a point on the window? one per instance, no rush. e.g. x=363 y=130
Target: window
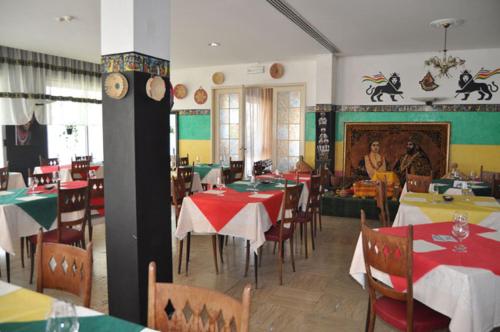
x=228 y=125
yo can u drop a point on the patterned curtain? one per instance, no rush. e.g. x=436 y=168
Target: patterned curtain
x=54 y=89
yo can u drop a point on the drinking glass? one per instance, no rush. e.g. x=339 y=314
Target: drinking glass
x=218 y=183
x=434 y=193
x=197 y=160
x=254 y=183
x=467 y=193
x=460 y=230
x=92 y=174
x=62 y=318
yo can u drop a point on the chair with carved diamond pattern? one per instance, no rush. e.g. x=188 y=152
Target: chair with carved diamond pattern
x=43 y=178
x=84 y=158
x=48 y=161
x=237 y=168
x=96 y=200
x=63 y=267
x=173 y=307
x=418 y=183
x=394 y=255
x=72 y=218
x=80 y=170
x=310 y=215
x=186 y=173
x=183 y=161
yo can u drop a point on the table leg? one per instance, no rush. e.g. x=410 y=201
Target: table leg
x=255 y=258
x=214 y=249
x=7 y=260
x=221 y=247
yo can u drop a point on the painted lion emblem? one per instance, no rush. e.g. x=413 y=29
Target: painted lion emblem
x=468 y=85
x=391 y=88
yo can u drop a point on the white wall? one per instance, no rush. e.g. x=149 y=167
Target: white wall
x=350 y=90
x=236 y=75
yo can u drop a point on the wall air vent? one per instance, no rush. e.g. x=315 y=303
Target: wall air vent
x=284 y=8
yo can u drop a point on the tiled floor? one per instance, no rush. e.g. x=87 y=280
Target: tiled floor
x=319 y=296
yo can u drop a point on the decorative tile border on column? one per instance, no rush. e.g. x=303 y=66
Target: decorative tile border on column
x=318 y=108
x=419 y=108
x=134 y=61
x=192 y=112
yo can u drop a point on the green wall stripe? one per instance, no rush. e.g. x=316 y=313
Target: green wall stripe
x=466 y=127
x=310 y=126
x=194 y=127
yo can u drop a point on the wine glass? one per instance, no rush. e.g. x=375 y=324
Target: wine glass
x=62 y=318
x=466 y=192
x=254 y=183
x=460 y=230
x=197 y=160
x=218 y=183
x=434 y=193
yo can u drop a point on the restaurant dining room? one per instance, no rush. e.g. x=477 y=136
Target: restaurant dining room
x=249 y=165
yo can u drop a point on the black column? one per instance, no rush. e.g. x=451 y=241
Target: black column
x=325 y=136
x=137 y=187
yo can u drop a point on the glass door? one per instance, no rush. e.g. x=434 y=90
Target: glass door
x=228 y=125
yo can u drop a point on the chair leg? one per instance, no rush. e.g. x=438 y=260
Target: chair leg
x=188 y=251
x=312 y=237
x=22 y=252
x=261 y=254
x=247 y=260
x=301 y=231
x=291 y=253
x=90 y=229
x=214 y=249
x=256 y=269
x=28 y=254
x=274 y=249
x=226 y=240
x=221 y=247
x=32 y=254
x=180 y=245
x=7 y=261
x=371 y=316
x=280 y=258
x=319 y=216
x=305 y=233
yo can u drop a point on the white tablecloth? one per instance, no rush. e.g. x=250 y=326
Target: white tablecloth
x=196 y=187
x=65 y=172
x=16 y=180
x=469 y=296
x=212 y=176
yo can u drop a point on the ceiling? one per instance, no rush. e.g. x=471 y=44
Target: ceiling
x=253 y=31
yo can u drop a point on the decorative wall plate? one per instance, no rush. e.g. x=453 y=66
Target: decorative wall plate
x=200 y=96
x=218 y=77
x=180 y=91
x=116 y=85
x=277 y=70
x=156 y=88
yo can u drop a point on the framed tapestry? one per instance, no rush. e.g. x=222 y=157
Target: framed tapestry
x=430 y=139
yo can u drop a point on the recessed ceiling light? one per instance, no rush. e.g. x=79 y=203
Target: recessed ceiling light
x=214 y=44
x=65 y=18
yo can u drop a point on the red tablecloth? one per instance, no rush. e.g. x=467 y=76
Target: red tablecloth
x=219 y=210
x=50 y=169
x=481 y=252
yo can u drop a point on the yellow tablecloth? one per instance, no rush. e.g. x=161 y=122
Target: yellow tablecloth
x=23 y=305
x=443 y=211
x=390 y=177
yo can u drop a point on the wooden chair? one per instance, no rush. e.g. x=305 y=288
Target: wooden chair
x=64 y=267
x=394 y=255
x=68 y=231
x=173 y=307
x=418 y=183
x=96 y=199
x=381 y=199
x=325 y=183
x=285 y=228
x=44 y=178
x=258 y=168
x=226 y=175
x=4 y=178
x=80 y=170
x=495 y=190
x=488 y=176
x=83 y=158
x=237 y=168
x=311 y=213
x=183 y=161
x=186 y=173
x=48 y=161
x=178 y=194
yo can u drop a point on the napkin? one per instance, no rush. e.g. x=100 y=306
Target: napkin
x=279 y=185
x=443 y=238
x=5 y=193
x=414 y=199
x=261 y=196
x=491 y=235
x=29 y=198
x=425 y=246
x=488 y=204
x=243 y=182
x=214 y=192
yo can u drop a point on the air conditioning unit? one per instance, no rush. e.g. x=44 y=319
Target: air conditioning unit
x=255 y=70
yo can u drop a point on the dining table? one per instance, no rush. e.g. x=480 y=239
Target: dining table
x=65 y=171
x=16 y=181
x=454 y=187
x=464 y=286
x=423 y=208
x=23 y=310
x=209 y=173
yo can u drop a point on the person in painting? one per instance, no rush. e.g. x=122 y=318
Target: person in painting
x=414 y=161
x=373 y=161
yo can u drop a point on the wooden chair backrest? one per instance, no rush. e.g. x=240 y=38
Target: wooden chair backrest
x=186 y=173
x=183 y=161
x=226 y=175
x=495 y=190
x=178 y=194
x=64 y=267
x=72 y=200
x=4 y=178
x=80 y=170
x=314 y=192
x=44 y=178
x=84 y=158
x=488 y=176
x=96 y=191
x=290 y=206
x=418 y=183
x=237 y=168
x=382 y=205
x=173 y=307
x=390 y=254
x=258 y=168
x=48 y=161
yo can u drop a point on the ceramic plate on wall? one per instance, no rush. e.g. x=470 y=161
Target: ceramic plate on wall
x=200 y=96
x=156 y=88
x=116 y=85
x=180 y=91
x=277 y=70
x=218 y=77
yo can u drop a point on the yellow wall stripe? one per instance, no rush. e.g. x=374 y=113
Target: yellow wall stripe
x=200 y=148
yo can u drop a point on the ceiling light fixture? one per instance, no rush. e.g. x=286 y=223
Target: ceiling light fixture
x=214 y=44
x=444 y=64
x=65 y=18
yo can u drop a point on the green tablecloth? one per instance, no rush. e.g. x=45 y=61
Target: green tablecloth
x=349 y=207
x=90 y=324
x=479 y=189
x=43 y=211
x=242 y=186
x=204 y=169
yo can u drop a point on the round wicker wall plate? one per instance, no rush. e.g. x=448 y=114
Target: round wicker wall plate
x=200 y=96
x=180 y=91
x=116 y=85
x=218 y=78
x=277 y=70
x=156 y=88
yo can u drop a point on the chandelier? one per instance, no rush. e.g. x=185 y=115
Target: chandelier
x=446 y=62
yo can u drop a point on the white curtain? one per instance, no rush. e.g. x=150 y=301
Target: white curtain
x=56 y=90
